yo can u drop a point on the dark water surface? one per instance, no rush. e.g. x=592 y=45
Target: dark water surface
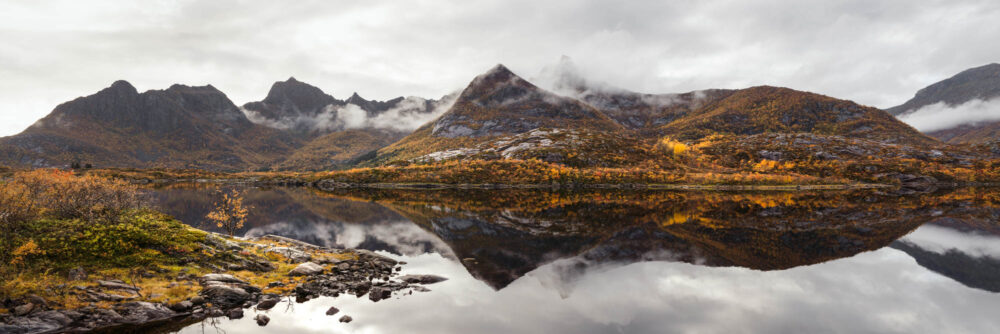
x=642 y=262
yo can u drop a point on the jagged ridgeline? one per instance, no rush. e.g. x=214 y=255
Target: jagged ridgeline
x=497 y=116
x=297 y=126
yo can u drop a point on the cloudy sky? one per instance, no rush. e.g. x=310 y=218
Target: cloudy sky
x=874 y=52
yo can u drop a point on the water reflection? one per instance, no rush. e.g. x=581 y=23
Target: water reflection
x=637 y=262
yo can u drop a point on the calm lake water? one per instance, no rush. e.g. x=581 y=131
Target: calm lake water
x=641 y=262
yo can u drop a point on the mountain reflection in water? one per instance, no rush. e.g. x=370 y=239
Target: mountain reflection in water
x=564 y=239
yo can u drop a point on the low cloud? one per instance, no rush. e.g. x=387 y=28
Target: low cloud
x=408 y=115
x=326 y=120
x=941 y=116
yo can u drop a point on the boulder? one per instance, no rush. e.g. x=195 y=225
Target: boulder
x=306 y=269
x=224 y=295
x=77 y=274
x=332 y=311
x=116 y=285
x=346 y=319
x=267 y=302
x=142 y=312
x=379 y=293
x=183 y=306
x=24 y=309
x=220 y=278
x=235 y=313
x=262 y=320
x=294 y=254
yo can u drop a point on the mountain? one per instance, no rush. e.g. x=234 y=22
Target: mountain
x=336 y=132
x=756 y=110
x=179 y=127
x=643 y=113
x=975 y=86
x=296 y=126
x=580 y=123
x=496 y=104
x=766 y=109
x=292 y=105
x=301 y=108
x=975 y=83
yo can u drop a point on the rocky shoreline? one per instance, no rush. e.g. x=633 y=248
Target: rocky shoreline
x=116 y=305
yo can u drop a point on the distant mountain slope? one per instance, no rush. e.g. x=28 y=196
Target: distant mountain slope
x=768 y=109
x=953 y=96
x=975 y=83
x=180 y=127
x=339 y=149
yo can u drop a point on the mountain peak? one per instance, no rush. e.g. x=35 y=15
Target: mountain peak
x=495 y=79
x=498 y=72
x=122 y=87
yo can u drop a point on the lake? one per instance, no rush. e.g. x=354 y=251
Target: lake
x=533 y=261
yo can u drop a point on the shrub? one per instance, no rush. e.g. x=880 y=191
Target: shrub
x=62 y=195
x=230 y=212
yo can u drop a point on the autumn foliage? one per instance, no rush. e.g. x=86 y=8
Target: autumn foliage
x=63 y=195
x=229 y=213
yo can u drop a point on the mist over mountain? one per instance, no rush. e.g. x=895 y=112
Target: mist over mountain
x=635 y=111
x=300 y=107
x=962 y=109
x=498 y=115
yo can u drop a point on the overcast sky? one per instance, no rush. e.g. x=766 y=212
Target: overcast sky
x=874 y=52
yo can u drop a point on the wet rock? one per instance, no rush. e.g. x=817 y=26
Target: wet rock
x=183 y=306
x=422 y=279
x=224 y=295
x=235 y=313
x=43 y=322
x=293 y=254
x=215 y=313
x=77 y=274
x=306 y=269
x=142 y=312
x=267 y=302
x=379 y=293
x=346 y=319
x=262 y=320
x=332 y=311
